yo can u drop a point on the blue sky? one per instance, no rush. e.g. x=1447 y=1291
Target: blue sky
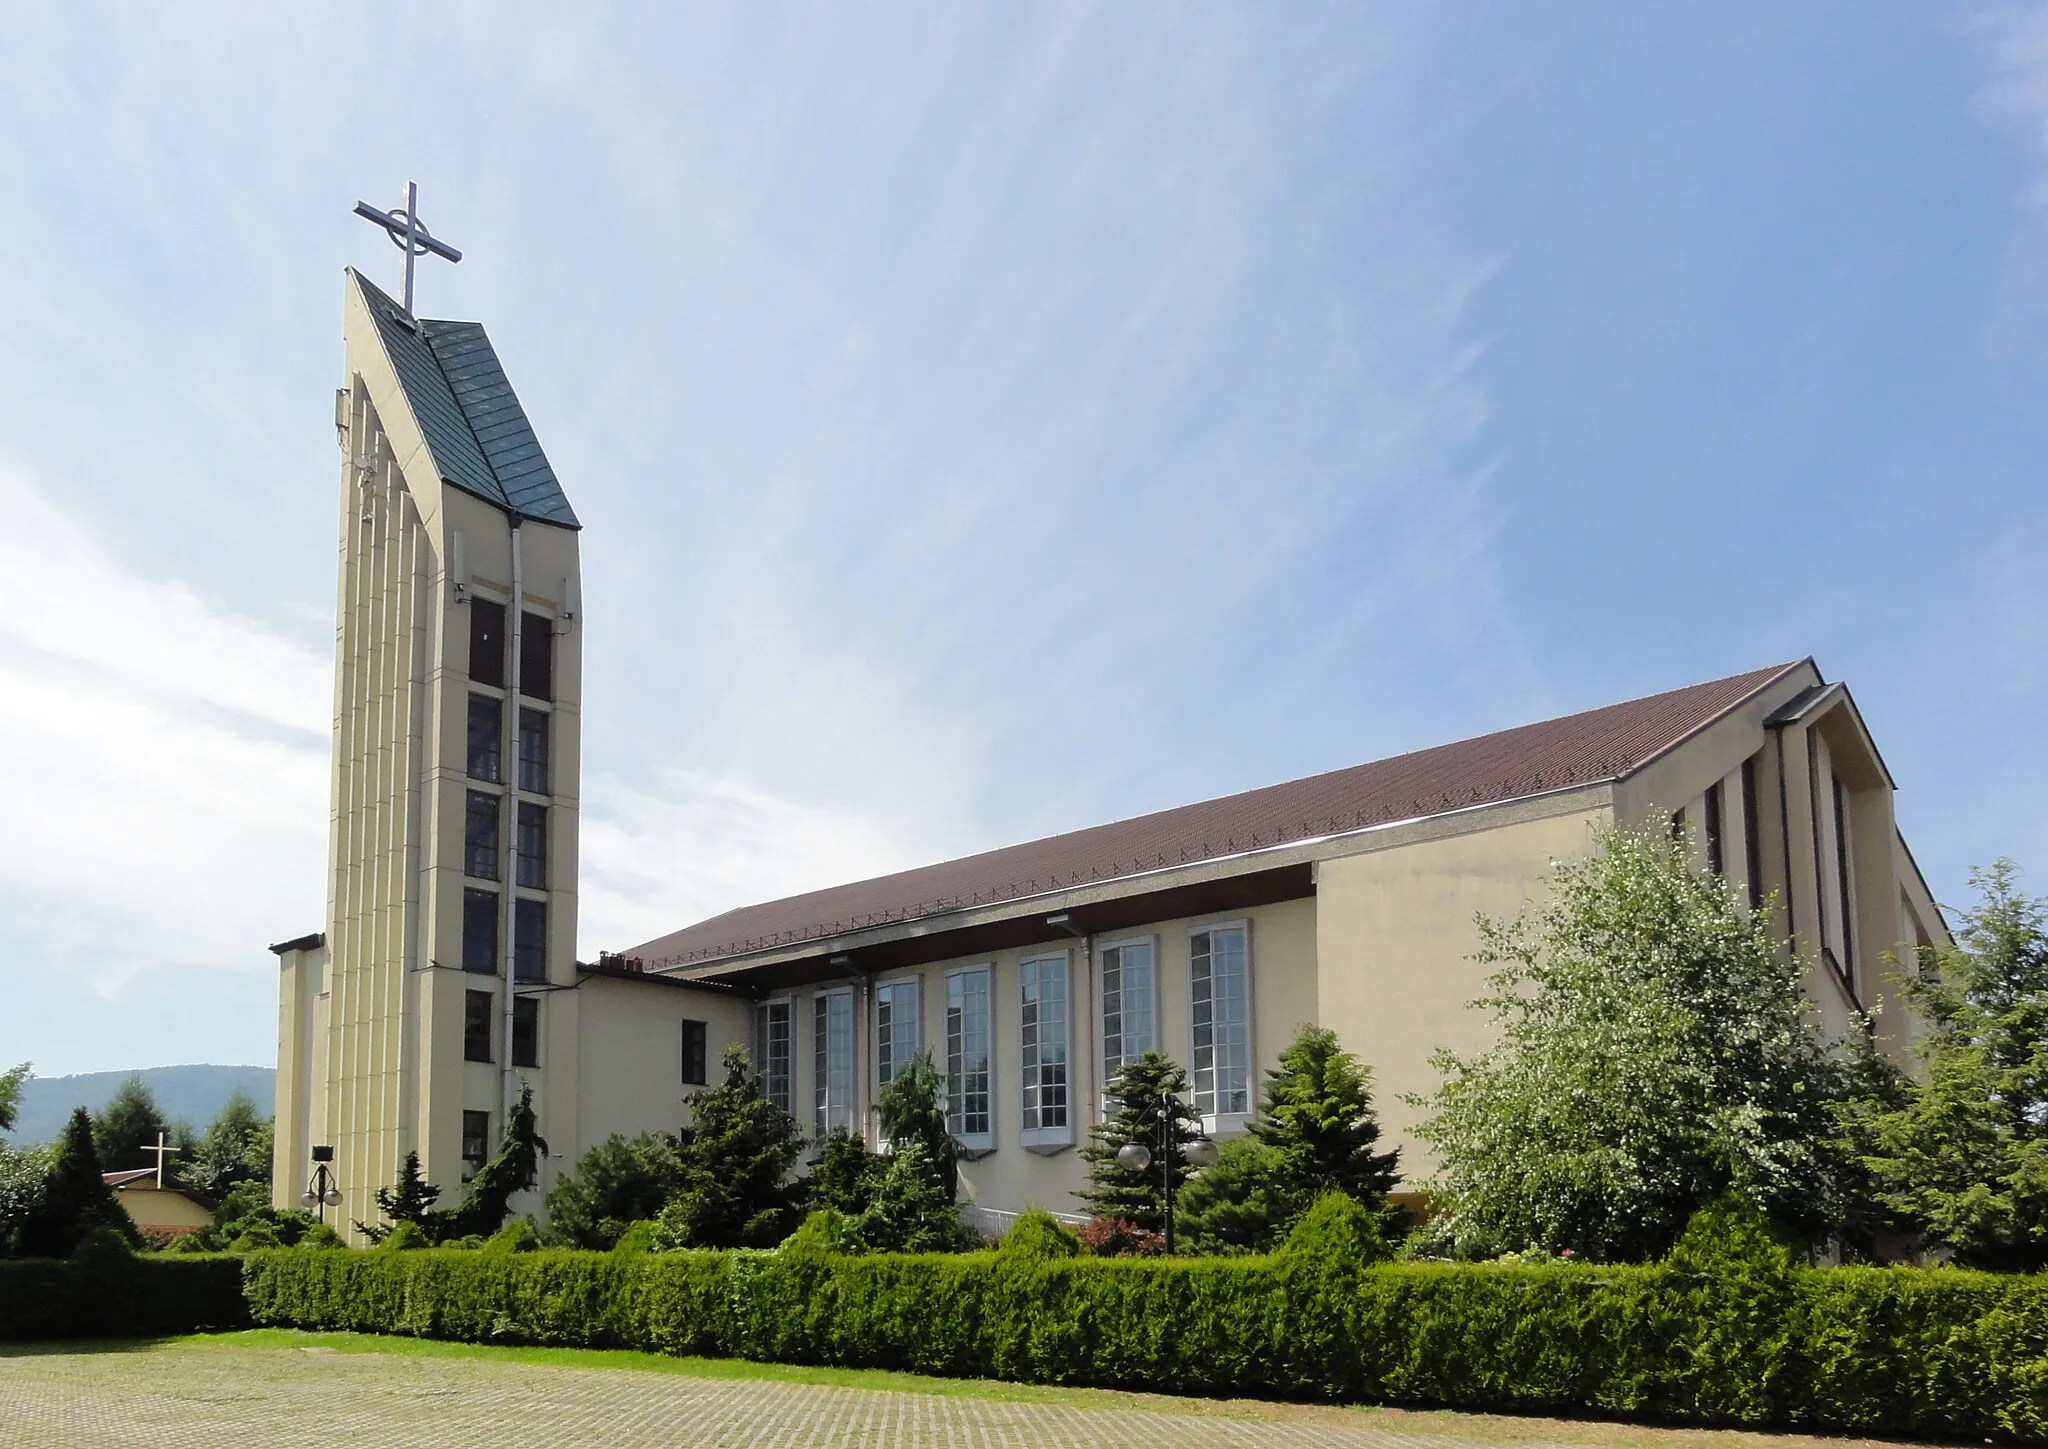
x=993 y=420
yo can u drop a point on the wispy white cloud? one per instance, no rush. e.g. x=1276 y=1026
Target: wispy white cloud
x=2015 y=37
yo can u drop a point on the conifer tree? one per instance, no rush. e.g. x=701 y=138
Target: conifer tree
x=735 y=1158
x=75 y=1199
x=515 y=1167
x=235 y=1149
x=410 y=1200
x=1138 y=1098
x=619 y=1182
x=909 y=1210
x=912 y=1108
x=128 y=1123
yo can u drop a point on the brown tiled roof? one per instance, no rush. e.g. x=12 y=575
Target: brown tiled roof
x=1580 y=749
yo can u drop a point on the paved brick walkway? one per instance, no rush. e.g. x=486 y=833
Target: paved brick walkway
x=206 y=1396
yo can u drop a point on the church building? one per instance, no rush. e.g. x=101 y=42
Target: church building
x=445 y=978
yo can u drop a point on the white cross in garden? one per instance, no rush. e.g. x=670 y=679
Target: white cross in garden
x=163 y=1155
x=408 y=233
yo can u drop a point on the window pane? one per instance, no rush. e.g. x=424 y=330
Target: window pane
x=537 y=657
x=1127 y=1004
x=694 y=1053
x=1710 y=825
x=487 y=643
x=480 y=836
x=529 y=941
x=533 y=846
x=480 y=931
x=1044 y=1023
x=533 y=751
x=898 y=1032
x=476 y=1137
x=486 y=725
x=526 y=1031
x=771 y=1051
x=832 y=1064
x=1222 y=1019
x=967 y=1070
x=476 y=1025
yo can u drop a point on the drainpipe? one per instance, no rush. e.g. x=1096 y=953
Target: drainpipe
x=509 y=824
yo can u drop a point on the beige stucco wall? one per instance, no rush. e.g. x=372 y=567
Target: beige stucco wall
x=1395 y=933
x=150 y=1208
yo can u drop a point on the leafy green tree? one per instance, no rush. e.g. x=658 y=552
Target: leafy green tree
x=621 y=1181
x=1964 y=1156
x=1139 y=1095
x=75 y=1198
x=845 y=1175
x=22 y=1174
x=910 y=1210
x=1654 y=1052
x=236 y=1149
x=735 y=1160
x=1315 y=1133
x=11 y=1083
x=912 y=1108
x=128 y=1123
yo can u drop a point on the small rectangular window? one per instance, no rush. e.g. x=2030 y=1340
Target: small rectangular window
x=533 y=751
x=1222 y=1022
x=526 y=1031
x=476 y=1025
x=487 y=643
x=1845 y=897
x=476 y=1138
x=1043 y=990
x=696 y=1057
x=898 y=1033
x=771 y=1051
x=1710 y=828
x=533 y=846
x=480 y=931
x=1752 y=835
x=537 y=657
x=480 y=836
x=967 y=1058
x=530 y=941
x=832 y=1062
x=486 y=728
x=1127 y=1004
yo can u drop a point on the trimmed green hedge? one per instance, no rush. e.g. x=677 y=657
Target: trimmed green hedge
x=119 y=1297
x=1898 y=1351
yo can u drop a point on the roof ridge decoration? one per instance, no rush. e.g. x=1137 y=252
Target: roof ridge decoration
x=1591 y=747
x=476 y=432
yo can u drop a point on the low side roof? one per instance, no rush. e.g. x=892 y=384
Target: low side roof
x=1580 y=749
x=475 y=429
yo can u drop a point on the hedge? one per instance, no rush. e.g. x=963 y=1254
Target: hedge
x=1899 y=1351
x=118 y=1296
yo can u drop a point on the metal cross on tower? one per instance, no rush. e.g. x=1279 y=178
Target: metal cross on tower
x=408 y=233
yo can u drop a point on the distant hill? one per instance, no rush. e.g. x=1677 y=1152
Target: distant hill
x=187 y=1094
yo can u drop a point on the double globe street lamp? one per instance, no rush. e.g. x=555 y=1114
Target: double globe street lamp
x=1196 y=1150
x=323 y=1192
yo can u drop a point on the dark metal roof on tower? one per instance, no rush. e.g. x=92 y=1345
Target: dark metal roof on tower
x=475 y=430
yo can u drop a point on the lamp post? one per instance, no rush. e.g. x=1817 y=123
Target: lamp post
x=322 y=1192
x=1199 y=1152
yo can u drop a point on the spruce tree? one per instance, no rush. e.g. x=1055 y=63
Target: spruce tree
x=75 y=1199
x=735 y=1158
x=912 y=1108
x=515 y=1167
x=128 y=1123
x=1138 y=1097
x=410 y=1200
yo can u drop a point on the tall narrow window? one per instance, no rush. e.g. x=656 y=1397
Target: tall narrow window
x=487 y=643
x=898 y=1034
x=1127 y=1004
x=537 y=657
x=530 y=941
x=533 y=751
x=695 y=1053
x=480 y=836
x=533 y=846
x=1222 y=1021
x=476 y=1025
x=1842 y=890
x=480 y=931
x=831 y=1062
x=1043 y=988
x=1752 y=834
x=476 y=1139
x=771 y=1051
x=1710 y=828
x=486 y=723
x=967 y=1064
x=526 y=1031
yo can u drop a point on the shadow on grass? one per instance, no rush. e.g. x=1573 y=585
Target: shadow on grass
x=43 y=1347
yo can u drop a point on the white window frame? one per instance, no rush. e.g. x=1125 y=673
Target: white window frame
x=1125 y=1054
x=829 y=1109
x=759 y=1043
x=975 y=1143
x=1045 y=1088
x=1214 y=1121
x=892 y=1060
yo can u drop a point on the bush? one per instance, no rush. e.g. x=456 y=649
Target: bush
x=1038 y=1234
x=517 y=1236
x=621 y=1181
x=321 y=1236
x=404 y=1237
x=1115 y=1238
x=113 y=1294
